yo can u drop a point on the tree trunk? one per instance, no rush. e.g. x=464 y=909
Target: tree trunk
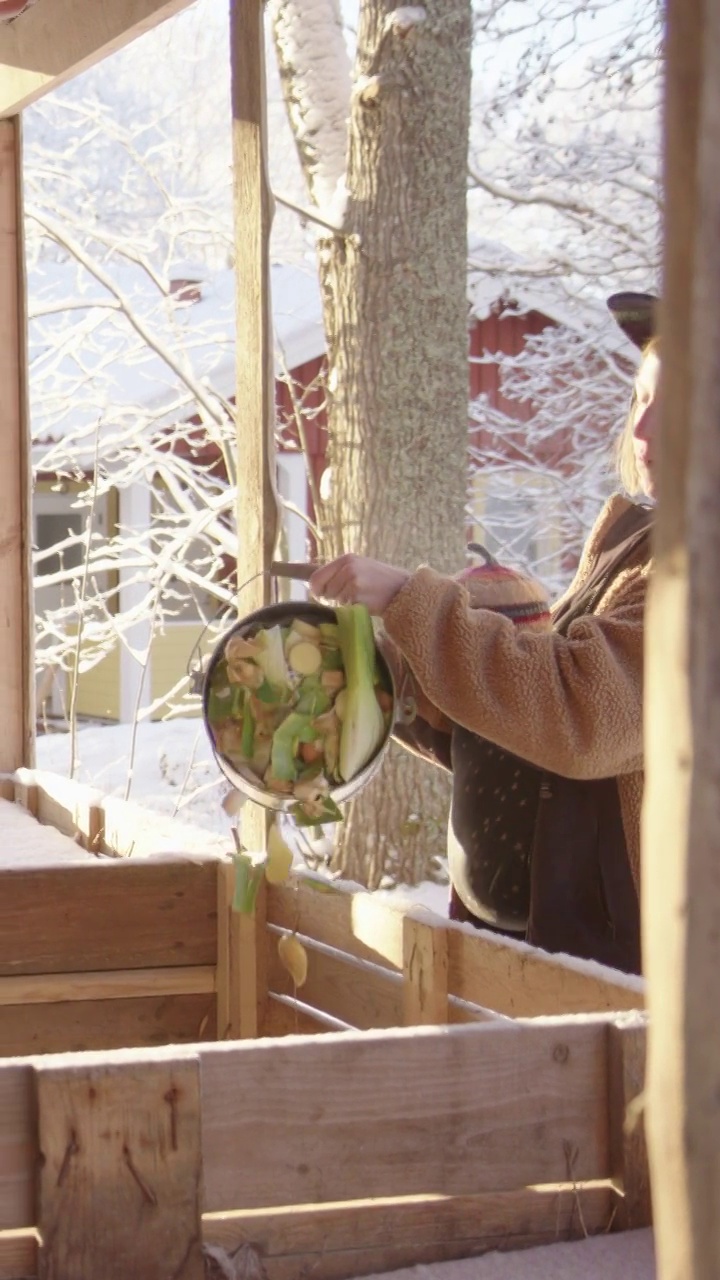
x=396 y=321
x=394 y=291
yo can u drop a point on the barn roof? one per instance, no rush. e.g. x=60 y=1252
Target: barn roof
x=90 y=367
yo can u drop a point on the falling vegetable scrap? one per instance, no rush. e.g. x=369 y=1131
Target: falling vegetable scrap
x=300 y=709
x=293 y=958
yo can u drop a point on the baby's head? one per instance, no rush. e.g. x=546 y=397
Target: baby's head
x=516 y=595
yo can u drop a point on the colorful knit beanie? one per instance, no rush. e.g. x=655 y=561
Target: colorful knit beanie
x=516 y=595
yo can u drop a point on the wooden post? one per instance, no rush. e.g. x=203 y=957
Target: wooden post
x=17 y=692
x=425 y=973
x=121 y=1171
x=241 y=967
x=628 y=1155
x=257 y=508
x=681 y=836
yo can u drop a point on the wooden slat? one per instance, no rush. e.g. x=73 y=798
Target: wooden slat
x=70 y=807
x=106 y=1024
x=358 y=923
x=18 y=1255
x=130 y=830
x=339 y=1242
x=120 y=1174
x=18 y=1146
x=122 y=984
x=108 y=915
x=26 y=791
x=17 y=689
x=354 y=991
x=425 y=973
x=242 y=977
x=628 y=1153
x=404 y=1112
x=526 y=983
x=52 y=42
x=515 y=980
x=225 y=885
x=248 y=969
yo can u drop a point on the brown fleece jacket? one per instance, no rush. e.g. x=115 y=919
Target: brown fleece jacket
x=569 y=704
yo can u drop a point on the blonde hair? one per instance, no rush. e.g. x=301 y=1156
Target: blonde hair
x=627 y=467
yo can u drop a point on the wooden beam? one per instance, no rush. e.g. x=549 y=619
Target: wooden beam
x=681 y=889
x=490 y=1108
x=16 y=636
x=257 y=508
x=54 y=41
x=121 y=1165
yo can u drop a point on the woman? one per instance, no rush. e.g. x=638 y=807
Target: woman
x=541 y=728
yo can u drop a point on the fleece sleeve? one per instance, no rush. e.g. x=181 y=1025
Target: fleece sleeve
x=570 y=704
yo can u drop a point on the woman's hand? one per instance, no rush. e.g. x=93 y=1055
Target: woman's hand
x=357 y=580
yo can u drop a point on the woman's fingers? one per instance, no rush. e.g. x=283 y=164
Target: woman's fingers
x=355 y=579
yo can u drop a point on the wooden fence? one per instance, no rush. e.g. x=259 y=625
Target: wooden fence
x=143 y=1124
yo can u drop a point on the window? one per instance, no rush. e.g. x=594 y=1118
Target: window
x=52 y=528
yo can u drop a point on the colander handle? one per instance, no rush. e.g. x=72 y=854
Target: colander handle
x=296 y=570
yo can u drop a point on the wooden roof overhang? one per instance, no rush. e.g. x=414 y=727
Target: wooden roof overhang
x=46 y=45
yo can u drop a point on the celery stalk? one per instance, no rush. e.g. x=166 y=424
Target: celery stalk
x=363 y=728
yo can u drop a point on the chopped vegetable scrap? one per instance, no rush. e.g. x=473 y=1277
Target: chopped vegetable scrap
x=301 y=709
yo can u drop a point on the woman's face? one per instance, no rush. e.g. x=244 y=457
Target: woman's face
x=646 y=418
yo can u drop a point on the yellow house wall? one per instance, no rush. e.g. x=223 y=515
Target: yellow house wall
x=171 y=653
x=99 y=688
x=98 y=693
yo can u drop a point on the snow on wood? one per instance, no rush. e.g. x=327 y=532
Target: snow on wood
x=28 y=842
x=600 y=1258
x=402 y=20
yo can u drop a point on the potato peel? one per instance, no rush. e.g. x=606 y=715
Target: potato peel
x=279 y=858
x=293 y=958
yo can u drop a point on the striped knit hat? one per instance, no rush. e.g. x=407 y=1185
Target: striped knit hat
x=515 y=595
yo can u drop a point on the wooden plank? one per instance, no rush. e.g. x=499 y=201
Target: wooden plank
x=131 y=830
x=26 y=791
x=242 y=978
x=512 y=979
x=425 y=973
x=121 y=1171
x=339 y=1242
x=248 y=969
x=523 y=982
x=70 y=807
x=17 y=684
x=352 y=921
x=258 y=515
x=108 y=915
x=18 y=1146
x=225 y=888
x=628 y=1154
x=354 y=991
x=121 y=984
x=51 y=43
x=18 y=1255
x=334 y=1117
x=106 y=1024
x=681 y=891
